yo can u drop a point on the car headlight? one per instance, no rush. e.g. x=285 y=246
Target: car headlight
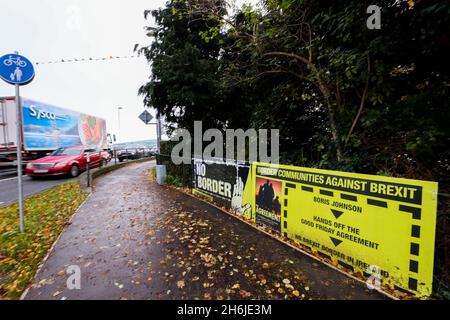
x=60 y=164
x=29 y=165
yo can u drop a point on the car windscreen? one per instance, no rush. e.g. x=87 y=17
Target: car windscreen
x=67 y=152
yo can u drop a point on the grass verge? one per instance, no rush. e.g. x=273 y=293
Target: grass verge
x=46 y=215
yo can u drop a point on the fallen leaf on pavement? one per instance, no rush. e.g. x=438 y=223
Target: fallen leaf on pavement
x=180 y=284
x=57 y=293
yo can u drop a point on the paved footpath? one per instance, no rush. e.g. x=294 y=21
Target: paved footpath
x=133 y=239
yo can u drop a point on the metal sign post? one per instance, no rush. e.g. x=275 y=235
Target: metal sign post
x=19 y=159
x=17 y=70
x=146 y=117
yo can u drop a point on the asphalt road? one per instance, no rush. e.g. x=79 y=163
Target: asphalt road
x=8 y=187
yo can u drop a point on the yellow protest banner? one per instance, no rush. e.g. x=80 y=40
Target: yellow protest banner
x=379 y=226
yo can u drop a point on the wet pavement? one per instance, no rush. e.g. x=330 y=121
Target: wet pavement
x=133 y=239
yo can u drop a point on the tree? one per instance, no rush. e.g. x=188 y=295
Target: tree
x=342 y=95
x=184 y=84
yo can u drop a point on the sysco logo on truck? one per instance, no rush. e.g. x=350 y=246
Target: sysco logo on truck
x=39 y=114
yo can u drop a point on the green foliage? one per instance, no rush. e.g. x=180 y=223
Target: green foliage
x=344 y=97
x=185 y=84
x=174 y=181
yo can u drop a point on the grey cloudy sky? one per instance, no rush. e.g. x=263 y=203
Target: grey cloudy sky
x=47 y=30
x=53 y=29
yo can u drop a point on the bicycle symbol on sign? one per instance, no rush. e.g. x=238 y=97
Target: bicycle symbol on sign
x=9 y=62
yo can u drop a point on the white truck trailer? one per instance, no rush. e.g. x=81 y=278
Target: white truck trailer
x=46 y=128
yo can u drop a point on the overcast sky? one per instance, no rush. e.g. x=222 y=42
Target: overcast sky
x=59 y=29
x=48 y=30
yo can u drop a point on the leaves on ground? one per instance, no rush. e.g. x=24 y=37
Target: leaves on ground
x=46 y=215
x=216 y=261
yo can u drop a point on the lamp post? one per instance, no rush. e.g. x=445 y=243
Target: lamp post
x=158 y=133
x=118 y=116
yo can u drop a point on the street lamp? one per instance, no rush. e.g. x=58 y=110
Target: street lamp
x=118 y=116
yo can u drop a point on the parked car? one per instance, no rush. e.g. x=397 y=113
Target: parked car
x=143 y=152
x=66 y=161
x=133 y=153
x=153 y=151
x=128 y=154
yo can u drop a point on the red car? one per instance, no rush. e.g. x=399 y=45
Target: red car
x=66 y=161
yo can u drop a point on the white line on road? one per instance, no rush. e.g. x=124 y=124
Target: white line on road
x=8 y=179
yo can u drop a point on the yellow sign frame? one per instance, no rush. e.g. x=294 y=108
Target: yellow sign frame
x=380 y=226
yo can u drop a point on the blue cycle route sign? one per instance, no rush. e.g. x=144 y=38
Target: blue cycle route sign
x=16 y=69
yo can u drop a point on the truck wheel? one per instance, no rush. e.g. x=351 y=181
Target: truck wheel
x=74 y=171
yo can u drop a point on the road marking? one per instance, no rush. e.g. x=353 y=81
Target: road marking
x=8 y=179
